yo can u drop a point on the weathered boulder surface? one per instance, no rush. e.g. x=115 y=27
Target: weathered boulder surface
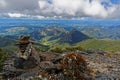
x=66 y=66
x=71 y=66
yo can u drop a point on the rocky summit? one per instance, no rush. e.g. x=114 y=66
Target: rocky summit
x=29 y=64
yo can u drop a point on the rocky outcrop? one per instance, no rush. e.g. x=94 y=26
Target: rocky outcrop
x=28 y=64
x=52 y=67
x=72 y=66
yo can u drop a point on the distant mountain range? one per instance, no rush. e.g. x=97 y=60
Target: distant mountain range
x=47 y=31
x=112 y=32
x=50 y=37
x=94 y=28
x=58 y=34
x=73 y=36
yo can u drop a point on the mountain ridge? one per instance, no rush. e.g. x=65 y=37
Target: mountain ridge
x=73 y=37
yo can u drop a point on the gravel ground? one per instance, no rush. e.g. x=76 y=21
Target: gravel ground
x=105 y=67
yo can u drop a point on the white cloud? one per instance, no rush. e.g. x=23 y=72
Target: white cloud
x=95 y=9
x=79 y=8
x=60 y=8
x=16 y=15
x=39 y=17
x=43 y=4
x=19 y=15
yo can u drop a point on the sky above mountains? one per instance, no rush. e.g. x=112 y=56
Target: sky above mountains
x=60 y=9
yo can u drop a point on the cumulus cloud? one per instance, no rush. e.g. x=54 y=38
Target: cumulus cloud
x=102 y=9
x=80 y=8
x=17 y=15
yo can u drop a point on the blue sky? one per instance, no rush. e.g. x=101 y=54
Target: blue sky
x=60 y=9
x=115 y=1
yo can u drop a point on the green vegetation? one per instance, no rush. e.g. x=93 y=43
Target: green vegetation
x=103 y=44
x=3 y=55
x=4 y=41
x=66 y=48
x=47 y=42
x=5 y=52
x=16 y=30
